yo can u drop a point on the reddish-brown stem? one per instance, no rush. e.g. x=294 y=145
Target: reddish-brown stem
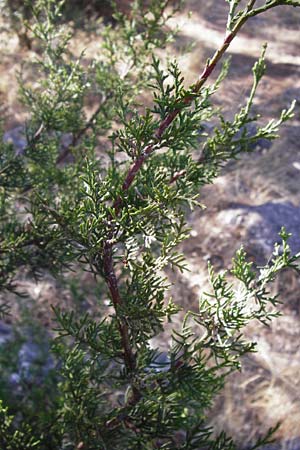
x=156 y=142
x=109 y=271
x=132 y=174
x=112 y=283
x=165 y=123
x=177 y=175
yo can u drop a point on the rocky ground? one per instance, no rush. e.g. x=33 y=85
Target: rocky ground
x=247 y=205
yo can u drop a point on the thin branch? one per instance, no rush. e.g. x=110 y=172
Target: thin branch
x=273 y=4
x=122 y=418
x=36 y=137
x=67 y=150
x=112 y=283
x=177 y=175
x=251 y=5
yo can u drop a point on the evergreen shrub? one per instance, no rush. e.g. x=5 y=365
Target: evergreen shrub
x=109 y=194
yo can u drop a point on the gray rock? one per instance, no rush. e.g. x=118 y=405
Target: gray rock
x=17 y=138
x=273 y=216
x=34 y=361
x=161 y=363
x=6 y=333
x=293 y=444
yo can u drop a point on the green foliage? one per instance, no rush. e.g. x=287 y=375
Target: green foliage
x=113 y=202
x=12 y=439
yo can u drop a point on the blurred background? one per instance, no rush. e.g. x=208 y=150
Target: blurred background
x=247 y=205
